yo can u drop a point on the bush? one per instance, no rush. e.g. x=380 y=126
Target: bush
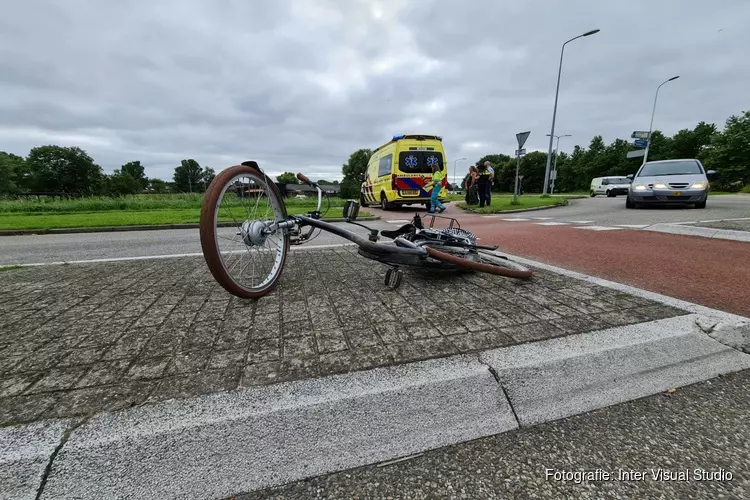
x=745 y=189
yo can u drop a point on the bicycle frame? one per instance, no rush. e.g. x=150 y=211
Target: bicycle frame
x=403 y=248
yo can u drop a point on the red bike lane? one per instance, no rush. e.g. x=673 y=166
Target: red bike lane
x=710 y=272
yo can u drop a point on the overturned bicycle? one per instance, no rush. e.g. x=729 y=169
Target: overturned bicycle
x=246 y=256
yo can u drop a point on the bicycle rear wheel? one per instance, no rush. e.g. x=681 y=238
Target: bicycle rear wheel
x=489 y=262
x=247 y=257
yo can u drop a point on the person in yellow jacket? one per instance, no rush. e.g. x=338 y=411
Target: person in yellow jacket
x=436 y=184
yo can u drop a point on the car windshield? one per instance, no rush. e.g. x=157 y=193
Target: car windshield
x=618 y=180
x=671 y=168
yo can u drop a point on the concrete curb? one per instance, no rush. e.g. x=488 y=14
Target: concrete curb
x=111 y=229
x=705 y=232
x=220 y=444
x=567 y=376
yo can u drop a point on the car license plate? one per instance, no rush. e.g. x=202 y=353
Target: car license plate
x=677 y=193
x=409 y=192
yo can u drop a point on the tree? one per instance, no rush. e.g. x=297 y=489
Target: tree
x=188 y=177
x=121 y=183
x=354 y=171
x=137 y=172
x=323 y=181
x=729 y=154
x=11 y=170
x=208 y=176
x=66 y=169
x=286 y=178
x=158 y=186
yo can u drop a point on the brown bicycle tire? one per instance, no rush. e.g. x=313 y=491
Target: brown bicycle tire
x=207 y=228
x=478 y=266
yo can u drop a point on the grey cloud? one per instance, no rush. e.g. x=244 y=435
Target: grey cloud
x=300 y=84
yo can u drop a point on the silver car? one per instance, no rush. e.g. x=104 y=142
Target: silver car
x=668 y=182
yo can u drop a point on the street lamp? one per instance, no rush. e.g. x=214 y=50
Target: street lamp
x=554 y=112
x=454 y=168
x=554 y=168
x=650 y=127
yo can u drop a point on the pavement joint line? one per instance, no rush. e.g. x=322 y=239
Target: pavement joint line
x=63 y=441
x=165 y=256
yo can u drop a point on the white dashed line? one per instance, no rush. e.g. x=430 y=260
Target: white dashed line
x=543 y=218
x=551 y=223
x=599 y=228
x=581 y=221
x=633 y=226
x=518 y=219
x=397 y=221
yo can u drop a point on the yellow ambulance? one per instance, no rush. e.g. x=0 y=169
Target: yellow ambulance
x=399 y=169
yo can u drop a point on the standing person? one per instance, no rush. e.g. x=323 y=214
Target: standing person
x=436 y=184
x=472 y=189
x=492 y=181
x=484 y=182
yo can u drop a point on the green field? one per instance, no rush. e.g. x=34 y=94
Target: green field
x=130 y=211
x=503 y=202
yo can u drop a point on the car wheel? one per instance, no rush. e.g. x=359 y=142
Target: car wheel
x=384 y=202
x=592 y=194
x=701 y=204
x=628 y=203
x=363 y=201
x=609 y=193
x=427 y=205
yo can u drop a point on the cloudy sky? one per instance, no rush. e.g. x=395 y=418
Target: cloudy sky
x=300 y=84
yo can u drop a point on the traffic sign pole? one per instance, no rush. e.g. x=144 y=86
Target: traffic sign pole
x=521 y=138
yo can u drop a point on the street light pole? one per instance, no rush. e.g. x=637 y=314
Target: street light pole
x=653 y=111
x=454 y=168
x=554 y=168
x=554 y=112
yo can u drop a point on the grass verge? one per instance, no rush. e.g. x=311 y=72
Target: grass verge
x=9 y=268
x=56 y=220
x=502 y=203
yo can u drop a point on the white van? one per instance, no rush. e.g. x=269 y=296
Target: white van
x=611 y=186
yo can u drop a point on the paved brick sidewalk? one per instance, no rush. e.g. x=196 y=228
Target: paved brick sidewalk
x=77 y=339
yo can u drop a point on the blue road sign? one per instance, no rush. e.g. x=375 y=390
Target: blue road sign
x=640 y=143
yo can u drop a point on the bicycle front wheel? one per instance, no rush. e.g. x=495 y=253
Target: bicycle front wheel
x=488 y=262
x=242 y=250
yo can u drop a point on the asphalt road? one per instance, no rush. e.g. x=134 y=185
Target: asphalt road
x=704 y=426
x=87 y=246
x=605 y=211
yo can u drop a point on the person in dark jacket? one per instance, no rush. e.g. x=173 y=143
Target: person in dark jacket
x=484 y=182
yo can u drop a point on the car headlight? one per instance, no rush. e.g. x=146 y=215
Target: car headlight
x=699 y=185
x=639 y=187
x=660 y=185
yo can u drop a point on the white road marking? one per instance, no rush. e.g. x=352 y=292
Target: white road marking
x=581 y=221
x=542 y=218
x=397 y=221
x=599 y=228
x=517 y=219
x=167 y=256
x=551 y=223
x=634 y=226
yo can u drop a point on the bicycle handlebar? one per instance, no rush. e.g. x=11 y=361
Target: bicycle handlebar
x=303 y=178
